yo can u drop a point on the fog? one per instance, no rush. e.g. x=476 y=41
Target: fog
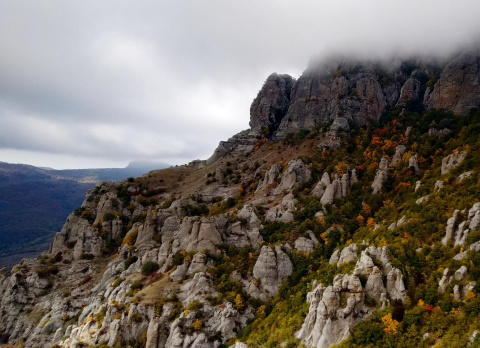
x=99 y=84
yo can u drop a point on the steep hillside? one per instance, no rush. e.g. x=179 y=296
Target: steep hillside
x=34 y=203
x=348 y=215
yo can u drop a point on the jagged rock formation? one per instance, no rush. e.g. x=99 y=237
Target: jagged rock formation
x=381 y=176
x=346 y=255
x=271 y=268
x=282 y=212
x=296 y=174
x=410 y=91
x=270 y=177
x=158 y=238
x=338 y=90
x=327 y=322
x=458 y=231
x=240 y=144
x=453 y=160
x=182 y=259
x=458 y=88
x=331 y=190
x=271 y=103
x=399 y=151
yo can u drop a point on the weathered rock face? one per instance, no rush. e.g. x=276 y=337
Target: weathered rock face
x=452 y=160
x=282 y=212
x=340 y=90
x=458 y=88
x=321 y=186
x=328 y=190
x=296 y=174
x=271 y=103
x=459 y=225
x=380 y=176
x=410 y=91
x=399 y=151
x=337 y=88
x=240 y=143
x=331 y=319
x=269 y=179
x=304 y=244
x=271 y=269
x=346 y=255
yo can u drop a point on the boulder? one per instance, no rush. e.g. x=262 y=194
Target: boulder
x=271 y=269
x=461 y=274
x=270 y=177
x=321 y=186
x=296 y=174
x=304 y=244
x=380 y=176
x=399 y=151
x=452 y=160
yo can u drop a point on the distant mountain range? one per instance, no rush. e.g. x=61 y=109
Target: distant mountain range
x=34 y=202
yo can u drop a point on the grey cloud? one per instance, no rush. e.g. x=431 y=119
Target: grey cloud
x=167 y=80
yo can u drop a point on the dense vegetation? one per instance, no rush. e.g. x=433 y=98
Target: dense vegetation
x=361 y=217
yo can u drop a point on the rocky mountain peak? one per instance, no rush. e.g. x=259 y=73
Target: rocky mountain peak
x=371 y=238
x=342 y=89
x=271 y=103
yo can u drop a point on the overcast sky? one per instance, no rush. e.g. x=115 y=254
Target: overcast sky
x=101 y=83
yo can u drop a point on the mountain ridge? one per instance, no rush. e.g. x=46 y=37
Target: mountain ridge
x=312 y=228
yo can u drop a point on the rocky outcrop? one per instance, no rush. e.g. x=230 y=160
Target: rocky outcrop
x=381 y=176
x=336 y=309
x=271 y=269
x=321 y=186
x=270 y=177
x=327 y=323
x=458 y=88
x=282 y=212
x=347 y=254
x=453 y=160
x=304 y=244
x=332 y=190
x=413 y=163
x=398 y=223
x=460 y=224
x=296 y=174
x=410 y=91
x=460 y=289
x=240 y=144
x=271 y=103
x=337 y=88
x=399 y=151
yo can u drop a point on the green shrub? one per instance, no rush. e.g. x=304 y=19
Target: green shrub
x=149 y=267
x=129 y=261
x=136 y=285
x=196 y=210
x=117 y=282
x=135 y=317
x=195 y=306
x=46 y=272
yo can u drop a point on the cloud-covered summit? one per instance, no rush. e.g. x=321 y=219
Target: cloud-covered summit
x=87 y=83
